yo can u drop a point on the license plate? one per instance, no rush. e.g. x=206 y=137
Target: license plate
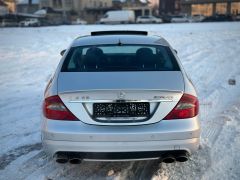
x=141 y=109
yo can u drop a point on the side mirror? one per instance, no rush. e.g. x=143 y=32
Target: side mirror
x=175 y=51
x=62 y=52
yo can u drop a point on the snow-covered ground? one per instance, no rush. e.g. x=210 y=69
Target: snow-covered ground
x=210 y=55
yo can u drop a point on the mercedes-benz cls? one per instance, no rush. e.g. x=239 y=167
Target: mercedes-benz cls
x=120 y=95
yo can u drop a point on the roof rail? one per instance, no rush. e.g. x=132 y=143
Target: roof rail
x=124 y=32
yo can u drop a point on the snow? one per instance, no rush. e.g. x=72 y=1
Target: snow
x=210 y=55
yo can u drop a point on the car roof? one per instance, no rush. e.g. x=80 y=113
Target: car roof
x=105 y=39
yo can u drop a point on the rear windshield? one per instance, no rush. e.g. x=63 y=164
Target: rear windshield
x=104 y=58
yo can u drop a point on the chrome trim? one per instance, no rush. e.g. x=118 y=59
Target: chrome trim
x=120 y=100
x=117 y=90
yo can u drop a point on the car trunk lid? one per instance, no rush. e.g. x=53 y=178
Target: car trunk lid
x=79 y=92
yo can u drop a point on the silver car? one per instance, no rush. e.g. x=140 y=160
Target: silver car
x=120 y=95
x=148 y=19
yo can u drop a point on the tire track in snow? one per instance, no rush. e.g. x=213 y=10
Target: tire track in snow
x=12 y=155
x=225 y=150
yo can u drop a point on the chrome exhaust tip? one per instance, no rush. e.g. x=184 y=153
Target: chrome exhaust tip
x=168 y=159
x=182 y=157
x=75 y=161
x=61 y=158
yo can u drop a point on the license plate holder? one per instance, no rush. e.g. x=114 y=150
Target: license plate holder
x=125 y=109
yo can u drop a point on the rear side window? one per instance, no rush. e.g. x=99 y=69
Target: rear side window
x=104 y=58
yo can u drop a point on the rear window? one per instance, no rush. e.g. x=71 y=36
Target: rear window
x=104 y=58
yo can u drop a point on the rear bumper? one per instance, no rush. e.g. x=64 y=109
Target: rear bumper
x=173 y=135
x=52 y=147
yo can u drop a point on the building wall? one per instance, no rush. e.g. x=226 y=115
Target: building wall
x=44 y=3
x=97 y=3
x=169 y=6
x=3 y=10
x=89 y=10
x=76 y=5
x=204 y=9
x=25 y=8
x=139 y=8
x=11 y=5
x=210 y=7
x=235 y=8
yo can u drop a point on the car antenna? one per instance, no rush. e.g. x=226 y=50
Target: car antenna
x=120 y=43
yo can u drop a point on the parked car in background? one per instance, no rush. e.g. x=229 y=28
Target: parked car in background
x=41 y=12
x=120 y=95
x=9 y=23
x=218 y=18
x=166 y=18
x=79 y=21
x=118 y=17
x=237 y=17
x=180 y=19
x=31 y=22
x=198 y=18
x=148 y=19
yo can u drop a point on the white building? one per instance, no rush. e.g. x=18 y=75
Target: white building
x=76 y=5
x=90 y=10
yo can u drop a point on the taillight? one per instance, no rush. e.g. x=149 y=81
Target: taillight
x=53 y=108
x=187 y=107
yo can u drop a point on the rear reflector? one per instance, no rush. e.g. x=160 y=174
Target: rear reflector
x=53 y=108
x=187 y=107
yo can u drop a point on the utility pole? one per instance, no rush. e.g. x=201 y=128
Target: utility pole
x=159 y=8
x=29 y=5
x=64 y=11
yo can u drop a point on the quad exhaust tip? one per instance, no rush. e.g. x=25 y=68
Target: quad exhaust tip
x=61 y=158
x=182 y=157
x=169 y=159
x=75 y=161
x=179 y=157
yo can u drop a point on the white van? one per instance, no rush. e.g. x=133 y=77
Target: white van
x=118 y=17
